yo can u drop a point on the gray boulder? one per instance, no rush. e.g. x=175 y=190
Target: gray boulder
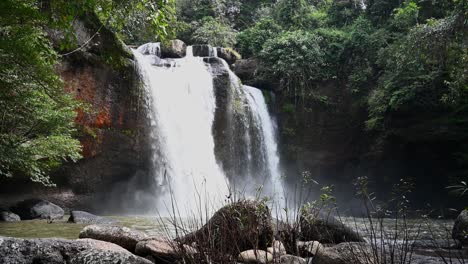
x=164 y=251
x=290 y=259
x=460 y=228
x=203 y=50
x=122 y=236
x=7 y=216
x=37 y=209
x=81 y=217
x=236 y=227
x=246 y=68
x=229 y=55
x=173 y=49
x=61 y=251
x=309 y=248
x=255 y=256
x=344 y=253
x=325 y=228
x=277 y=249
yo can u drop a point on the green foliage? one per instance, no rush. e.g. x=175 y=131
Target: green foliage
x=406 y=16
x=215 y=33
x=250 y=41
x=295 y=58
x=460 y=189
x=288 y=108
x=342 y=13
x=419 y=71
x=291 y=13
x=36 y=116
x=141 y=21
x=134 y=21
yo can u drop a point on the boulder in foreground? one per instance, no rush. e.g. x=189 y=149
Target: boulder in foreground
x=60 y=251
x=122 y=236
x=460 y=228
x=255 y=256
x=164 y=251
x=236 y=227
x=290 y=259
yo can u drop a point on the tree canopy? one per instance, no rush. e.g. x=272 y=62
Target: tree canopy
x=37 y=129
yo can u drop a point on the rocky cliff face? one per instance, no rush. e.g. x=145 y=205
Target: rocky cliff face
x=111 y=124
x=325 y=136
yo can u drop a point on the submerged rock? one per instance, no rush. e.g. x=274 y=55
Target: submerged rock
x=203 y=50
x=7 y=216
x=255 y=256
x=60 y=251
x=325 y=228
x=37 y=209
x=122 y=236
x=81 y=217
x=173 y=49
x=236 y=227
x=460 y=228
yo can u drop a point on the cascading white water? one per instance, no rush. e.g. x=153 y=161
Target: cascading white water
x=262 y=118
x=183 y=105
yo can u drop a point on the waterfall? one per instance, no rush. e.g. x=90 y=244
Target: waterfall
x=183 y=107
x=202 y=144
x=269 y=145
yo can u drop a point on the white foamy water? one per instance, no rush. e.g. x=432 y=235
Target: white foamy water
x=263 y=120
x=183 y=106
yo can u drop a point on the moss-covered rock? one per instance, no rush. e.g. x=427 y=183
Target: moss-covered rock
x=236 y=227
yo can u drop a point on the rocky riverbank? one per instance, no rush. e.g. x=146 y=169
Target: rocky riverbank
x=240 y=232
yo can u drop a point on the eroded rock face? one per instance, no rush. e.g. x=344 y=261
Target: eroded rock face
x=203 y=50
x=37 y=209
x=81 y=217
x=173 y=49
x=235 y=228
x=122 y=236
x=325 y=228
x=60 y=251
x=460 y=228
x=113 y=131
x=228 y=55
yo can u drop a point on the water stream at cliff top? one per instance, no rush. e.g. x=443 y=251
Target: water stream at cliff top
x=189 y=170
